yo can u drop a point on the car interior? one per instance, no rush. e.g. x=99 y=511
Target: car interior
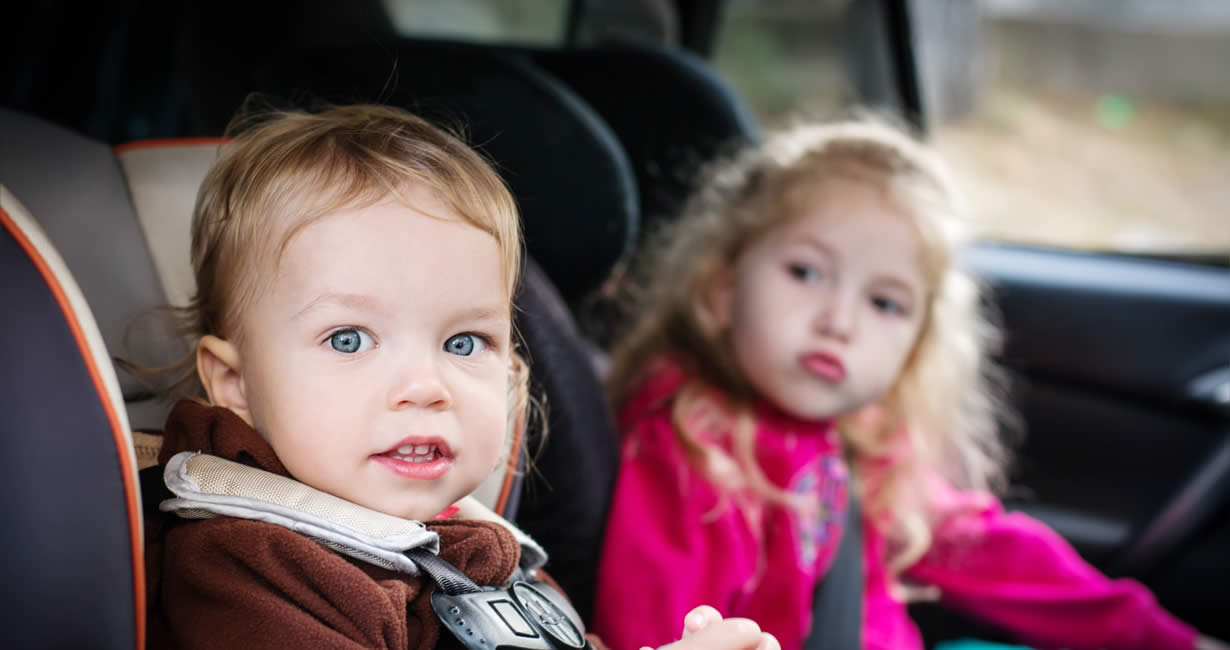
x=114 y=112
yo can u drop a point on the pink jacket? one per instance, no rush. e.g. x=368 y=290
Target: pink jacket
x=673 y=542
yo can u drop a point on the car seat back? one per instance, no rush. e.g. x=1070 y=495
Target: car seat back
x=72 y=550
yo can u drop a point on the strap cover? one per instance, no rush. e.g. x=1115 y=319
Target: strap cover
x=207 y=486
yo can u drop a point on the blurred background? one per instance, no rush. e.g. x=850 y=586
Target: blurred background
x=1093 y=124
x=1099 y=125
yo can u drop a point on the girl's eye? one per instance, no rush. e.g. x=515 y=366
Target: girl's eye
x=350 y=341
x=804 y=273
x=464 y=345
x=887 y=305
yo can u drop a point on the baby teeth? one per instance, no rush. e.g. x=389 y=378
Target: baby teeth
x=414 y=451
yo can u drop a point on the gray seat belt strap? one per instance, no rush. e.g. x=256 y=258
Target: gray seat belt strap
x=837 y=607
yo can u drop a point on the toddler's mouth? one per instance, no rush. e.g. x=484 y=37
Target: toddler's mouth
x=418 y=458
x=415 y=453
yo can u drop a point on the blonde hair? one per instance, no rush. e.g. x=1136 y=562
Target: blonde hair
x=943 y=399
x=291 y=167
x=297 y=167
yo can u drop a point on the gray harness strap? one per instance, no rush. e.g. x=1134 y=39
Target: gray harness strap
x=837 y=607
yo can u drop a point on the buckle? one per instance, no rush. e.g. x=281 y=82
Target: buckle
x=521 y=617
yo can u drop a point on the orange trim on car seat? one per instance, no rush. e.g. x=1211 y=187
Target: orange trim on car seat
x=168 y=142
x=506 y=489
x=130 y=472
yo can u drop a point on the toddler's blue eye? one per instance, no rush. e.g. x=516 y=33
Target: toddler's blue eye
x=350 y=340
x=464 y=345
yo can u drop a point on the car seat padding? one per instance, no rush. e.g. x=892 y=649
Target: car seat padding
x=73 y=555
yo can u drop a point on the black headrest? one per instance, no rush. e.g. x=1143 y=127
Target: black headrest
x=571 y=178
x=670 y=109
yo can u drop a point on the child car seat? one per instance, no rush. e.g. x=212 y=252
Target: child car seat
x=74 y=594
x=143 y=263
x=72 y=552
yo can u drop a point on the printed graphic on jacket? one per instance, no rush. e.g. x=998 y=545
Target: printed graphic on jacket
x=821 y=487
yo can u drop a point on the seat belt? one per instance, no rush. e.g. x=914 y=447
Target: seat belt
x=837 y=607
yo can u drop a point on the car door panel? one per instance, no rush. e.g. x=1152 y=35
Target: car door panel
x=1120 y=370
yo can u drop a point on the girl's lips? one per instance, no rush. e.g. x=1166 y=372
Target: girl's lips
x=424 y=471
x=824 y=365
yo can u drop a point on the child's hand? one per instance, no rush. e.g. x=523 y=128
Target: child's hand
x=704 y=629
x=1202 y=643
x=909 y=592
x=699 y=619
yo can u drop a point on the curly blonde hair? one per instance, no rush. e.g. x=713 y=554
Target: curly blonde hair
x=939 y=415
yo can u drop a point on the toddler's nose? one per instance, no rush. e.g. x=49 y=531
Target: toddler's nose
x=420 y=386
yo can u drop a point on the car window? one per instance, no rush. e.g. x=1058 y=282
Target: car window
x=1091 y=124
x=522 y=22
x=786 y=58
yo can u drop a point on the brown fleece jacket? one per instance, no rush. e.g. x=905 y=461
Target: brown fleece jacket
x=233 y=583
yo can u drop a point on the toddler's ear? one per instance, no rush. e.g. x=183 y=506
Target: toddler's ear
x=218 y=364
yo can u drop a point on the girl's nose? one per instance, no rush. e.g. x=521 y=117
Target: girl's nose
x=838 y=317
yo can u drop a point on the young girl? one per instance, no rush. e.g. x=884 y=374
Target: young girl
x=805 y=334
x=355 y=273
